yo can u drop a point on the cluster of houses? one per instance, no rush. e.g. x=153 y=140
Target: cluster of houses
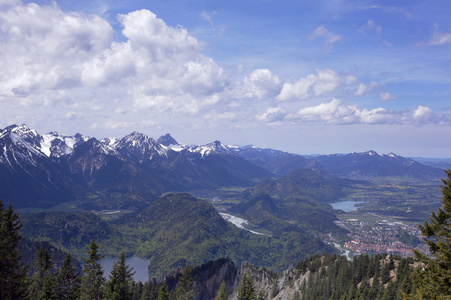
x=382 y=237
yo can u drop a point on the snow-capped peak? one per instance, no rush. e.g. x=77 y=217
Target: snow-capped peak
x=214 y=148
x=371 y=153
x=51 y=144
x=19 y=144
x=22 y=132
x=140 y=147
x=391 y=154
x=135 y=139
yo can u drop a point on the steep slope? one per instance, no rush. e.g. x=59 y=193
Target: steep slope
x=98 y=167
x=317 y=277
x=208 y=277
x=167 y=140
x=188 y=168
x=373 y=165
x=141 y=149
x=73 y=232
x=182 y=229
x=207 y=167
x=28 y=177
x=56 y=145
x=29 y=249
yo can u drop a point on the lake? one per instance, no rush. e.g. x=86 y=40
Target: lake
x=139 y=266
x=346 y=205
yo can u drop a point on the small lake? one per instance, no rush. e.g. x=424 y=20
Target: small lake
x=346 y=205
x=139 y=266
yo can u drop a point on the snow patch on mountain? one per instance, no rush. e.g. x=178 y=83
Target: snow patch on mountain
x=141 y=147
x=214 y=148
x=56 y=145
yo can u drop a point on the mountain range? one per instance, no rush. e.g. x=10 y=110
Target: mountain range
x=44 y=170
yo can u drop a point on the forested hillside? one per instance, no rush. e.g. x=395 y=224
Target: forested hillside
x=175 y=230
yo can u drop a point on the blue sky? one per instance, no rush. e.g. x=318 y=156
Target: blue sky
x=301 y=76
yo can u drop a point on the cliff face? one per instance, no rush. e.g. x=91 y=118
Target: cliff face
x=286 y=285
x=262 y=278
x=331 y=276
x=289 y=285
x=373 y=277
x=208 y=277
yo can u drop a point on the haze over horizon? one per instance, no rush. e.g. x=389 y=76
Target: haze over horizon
x=299 y=76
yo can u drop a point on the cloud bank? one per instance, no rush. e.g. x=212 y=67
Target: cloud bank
x=72 y=62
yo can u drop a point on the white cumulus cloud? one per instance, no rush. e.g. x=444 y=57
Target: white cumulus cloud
x=336 y=112
x=50 y=56
x=272 y=115
x=75 y=62
x=43 y=51
x=260 y=84
x=325 y=81
x=423 y=114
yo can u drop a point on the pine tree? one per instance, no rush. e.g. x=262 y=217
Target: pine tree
x=149 y=290
x=222 y=294
x=68 y=281
x=163 y=292
x=42 y=281
x=92 y=281
x=120 y=284
x=246 y=290
x=48 y=288
x=13 y=274
x=185 y=290
x=390 y=291
x=434 y=280
x=137 y=290
x=385 y=274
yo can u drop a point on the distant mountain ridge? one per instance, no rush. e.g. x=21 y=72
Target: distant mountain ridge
x=356 y=165
x=370 y=164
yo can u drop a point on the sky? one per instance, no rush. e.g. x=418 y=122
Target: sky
x=306 y=77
